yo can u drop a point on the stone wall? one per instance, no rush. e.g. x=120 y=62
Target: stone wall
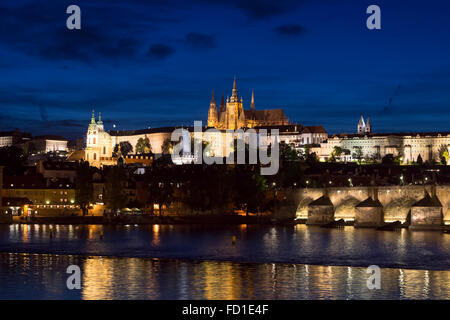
x=320 y=215
x=369 y=217
x=425 y=217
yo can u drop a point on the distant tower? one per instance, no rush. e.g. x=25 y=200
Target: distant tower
x=252 y=104
x=100 y=122
x=368 y=128
x=361 y=126
x=222 y=107
x=234 y=109
x=213 y=118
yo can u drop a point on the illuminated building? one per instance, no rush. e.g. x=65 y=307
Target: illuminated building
x=233 y=116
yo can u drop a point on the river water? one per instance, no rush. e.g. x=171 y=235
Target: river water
x=201 y=262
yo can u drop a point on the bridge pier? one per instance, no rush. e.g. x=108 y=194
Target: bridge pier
x=426 y=214
x=369 y=213
x=320 y=211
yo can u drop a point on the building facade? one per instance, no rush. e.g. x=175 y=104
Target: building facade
x=409 y=147
x=10 y=138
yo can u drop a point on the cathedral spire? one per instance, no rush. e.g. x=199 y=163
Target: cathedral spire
x=93 y=116
x=252 y=104
x=213 y=117
x=222 y=107
x=361 y=125
x=234 y=95
x=368 y=127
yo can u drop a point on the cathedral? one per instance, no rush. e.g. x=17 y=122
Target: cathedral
x=233 y=116
x=364 y=127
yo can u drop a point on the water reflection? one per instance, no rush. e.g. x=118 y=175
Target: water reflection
x=42 y=276
x=265 y=244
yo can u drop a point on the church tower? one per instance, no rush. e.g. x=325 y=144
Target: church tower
x=368 y=128
x=252 y=104
x=213 y=118
x=98 y=143
x=92 y=152
x=361 y=126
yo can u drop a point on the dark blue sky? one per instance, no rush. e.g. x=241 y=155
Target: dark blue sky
x=154 y=63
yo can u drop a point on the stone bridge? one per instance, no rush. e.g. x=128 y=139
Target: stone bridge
x=396 y=201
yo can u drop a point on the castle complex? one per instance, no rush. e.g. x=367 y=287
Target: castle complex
x=100 y=144
x=233 y=116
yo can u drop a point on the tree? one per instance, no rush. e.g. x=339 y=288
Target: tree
x=13 y=159
x=83 y=186
x=290 y=175
x=311 y=158
x=358 y=155
x=419 y=160
x=115 y=197
x=288 y=153
x=143 y=146
x=160 y=180
x=167 y=146
x=125 y=148
x=388 y=159
x=249 y=188
x=443 y=154
x=337 y=152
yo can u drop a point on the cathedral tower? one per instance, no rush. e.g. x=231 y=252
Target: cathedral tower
x=252 y=104
x=361 y=125
x=234 y=109
x=368 y=128
x=213 y=118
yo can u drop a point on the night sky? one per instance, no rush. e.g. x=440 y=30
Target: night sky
x=155 y=63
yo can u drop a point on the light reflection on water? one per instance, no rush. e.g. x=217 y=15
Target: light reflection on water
x=266 y=262
x=41 y=276
x=265 y=244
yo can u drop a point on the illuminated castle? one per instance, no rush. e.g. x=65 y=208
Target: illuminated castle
x=233 y=116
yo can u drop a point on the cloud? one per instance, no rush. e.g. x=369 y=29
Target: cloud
x=160 y=51
x=200 y=40
x=109 y=31
x=292 y=30
x=260 y=9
